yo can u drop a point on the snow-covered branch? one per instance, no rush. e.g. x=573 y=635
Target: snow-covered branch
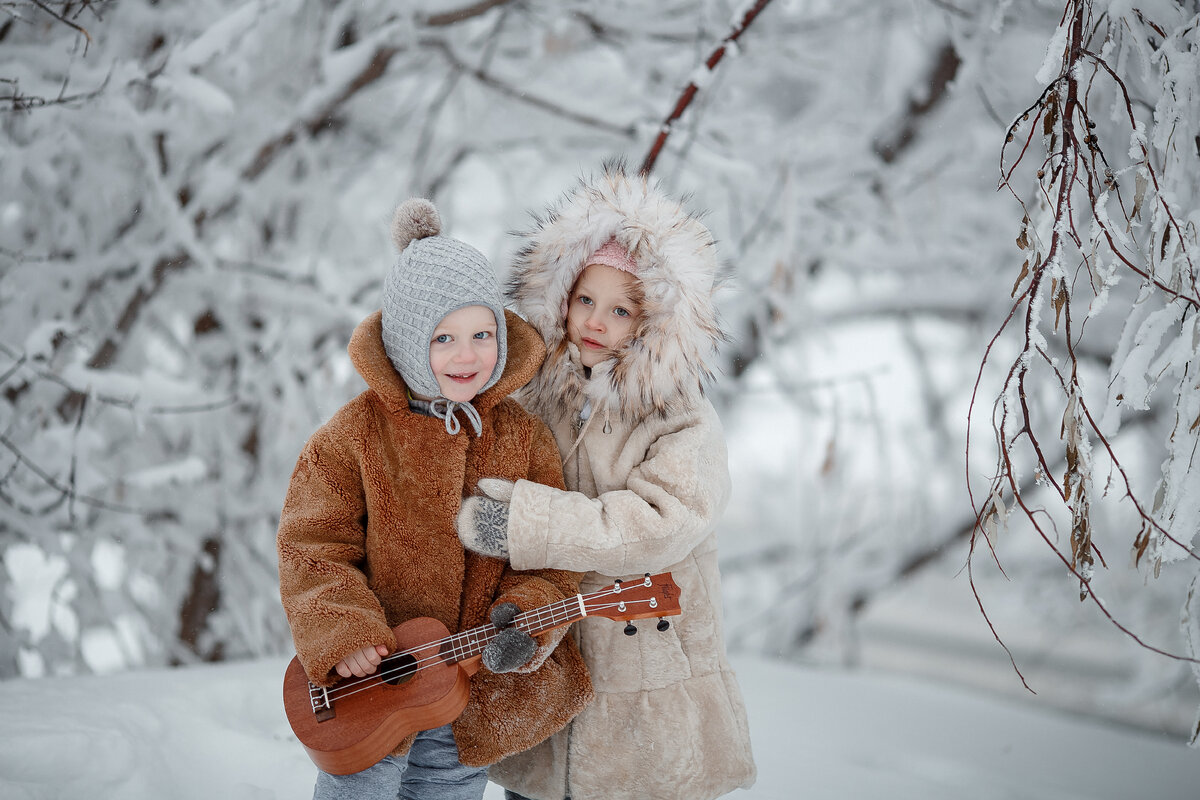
x=701 y=78
x=1114 y=199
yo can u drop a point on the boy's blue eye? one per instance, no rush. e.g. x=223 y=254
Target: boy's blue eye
x=483 y=335
x=442 y=339
x=583 y=298
x=620 y=312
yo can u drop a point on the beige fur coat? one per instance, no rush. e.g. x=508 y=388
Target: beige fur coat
x=649 y=480
x=366 y=541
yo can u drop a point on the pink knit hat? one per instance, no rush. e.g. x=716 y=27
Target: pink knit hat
x=611 y=254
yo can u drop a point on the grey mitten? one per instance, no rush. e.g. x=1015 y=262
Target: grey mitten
x=482 y=525
x=549 y=641
x=512 y=647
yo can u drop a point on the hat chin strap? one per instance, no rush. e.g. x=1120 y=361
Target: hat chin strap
x=443 y=408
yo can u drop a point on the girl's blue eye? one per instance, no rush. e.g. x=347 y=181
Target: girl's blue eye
x=483 y=335
x=583 y=298
x=620 y=312
x=445 y=337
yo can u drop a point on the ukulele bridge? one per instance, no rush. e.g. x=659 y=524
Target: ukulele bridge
x=321 y=705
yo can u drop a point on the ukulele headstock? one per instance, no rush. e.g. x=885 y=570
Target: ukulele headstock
x=652 y=596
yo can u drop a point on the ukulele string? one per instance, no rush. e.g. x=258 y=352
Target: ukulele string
x=557 y=612
x=464 y=642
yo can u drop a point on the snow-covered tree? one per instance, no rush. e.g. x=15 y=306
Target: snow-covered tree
x=193 y=216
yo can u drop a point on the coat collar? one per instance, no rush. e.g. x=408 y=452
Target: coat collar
x=525 y=354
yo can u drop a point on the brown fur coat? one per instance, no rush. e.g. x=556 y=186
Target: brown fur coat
x=366 y=541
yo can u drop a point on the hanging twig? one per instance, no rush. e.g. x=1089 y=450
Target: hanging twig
x=452 y=17
x=522 y=95
x=1075 y=167
x=65 y=492
x=22 y=102
x=65 y=21
x=694 y=85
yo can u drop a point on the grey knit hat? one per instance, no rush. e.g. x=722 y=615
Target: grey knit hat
x=433 y=276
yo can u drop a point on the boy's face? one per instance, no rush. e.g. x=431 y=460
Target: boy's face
x=463 y=352
x=602 y=312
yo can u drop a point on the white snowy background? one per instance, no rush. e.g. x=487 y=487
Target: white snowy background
x=194 y=202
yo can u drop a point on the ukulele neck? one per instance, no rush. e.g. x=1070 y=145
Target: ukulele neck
x=470 y=643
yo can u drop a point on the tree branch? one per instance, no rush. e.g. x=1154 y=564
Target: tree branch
x=689 y=91
x=465 y=13
x=1074 y=185
x=65 y=492
x=65 y=21
x=523 y=96
x=945 y=67
x=370 y=73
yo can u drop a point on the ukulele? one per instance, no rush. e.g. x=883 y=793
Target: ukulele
x=424 y=684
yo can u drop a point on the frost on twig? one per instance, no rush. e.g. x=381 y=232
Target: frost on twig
x=700 y=78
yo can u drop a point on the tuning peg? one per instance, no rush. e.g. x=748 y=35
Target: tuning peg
x=663 y=625
x=630 y=629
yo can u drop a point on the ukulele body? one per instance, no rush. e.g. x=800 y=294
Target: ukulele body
x=356 y=722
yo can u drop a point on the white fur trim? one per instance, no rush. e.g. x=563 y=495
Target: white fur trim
x=670 y=359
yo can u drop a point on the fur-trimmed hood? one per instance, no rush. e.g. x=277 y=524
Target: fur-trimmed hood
x=370 y=358
x=665 y=366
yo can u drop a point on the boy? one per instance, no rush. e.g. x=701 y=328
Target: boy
x=366 y=537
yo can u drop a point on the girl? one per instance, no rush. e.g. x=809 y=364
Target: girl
x=619 y=280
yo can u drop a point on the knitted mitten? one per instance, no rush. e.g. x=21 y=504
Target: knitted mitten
x=482 y=521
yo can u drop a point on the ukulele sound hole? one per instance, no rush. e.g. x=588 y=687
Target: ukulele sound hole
x=398 y=669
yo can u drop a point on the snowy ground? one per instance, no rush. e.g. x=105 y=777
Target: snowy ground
x=219 y=732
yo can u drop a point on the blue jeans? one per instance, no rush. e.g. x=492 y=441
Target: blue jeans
x=430 y=771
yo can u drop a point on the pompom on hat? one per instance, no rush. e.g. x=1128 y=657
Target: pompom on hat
x=433 y=276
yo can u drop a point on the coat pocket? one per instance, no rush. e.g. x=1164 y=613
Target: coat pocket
x=651 y=659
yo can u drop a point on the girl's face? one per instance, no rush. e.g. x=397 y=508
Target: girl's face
x=463 y=352
x=602 y=312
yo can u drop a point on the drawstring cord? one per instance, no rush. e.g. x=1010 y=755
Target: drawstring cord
x=587 y=423
x=443 y=408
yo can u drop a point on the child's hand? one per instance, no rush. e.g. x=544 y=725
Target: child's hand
x=482 y=522
x=362 y=662
x=512 y=647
